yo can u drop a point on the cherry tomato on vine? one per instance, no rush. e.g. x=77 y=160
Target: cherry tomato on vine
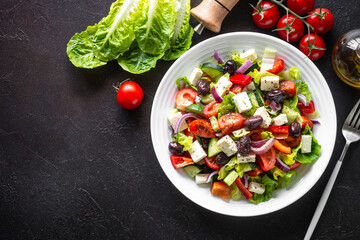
x=312 y=45
x=300 y=7
x=129 y=95
x=292 y=25
x=321 y=20
x=265 y=15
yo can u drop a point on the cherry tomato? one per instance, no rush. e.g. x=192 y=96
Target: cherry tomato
x=185 y=97
x=221 y=190
x=315 y=43
x=278 y=129
x=231 y=122
x=180 y=161
x=202 y=128
x=289 y=87
x=278 y=67
x=293 y=142
x=129 y=95
x=236 y=88
x=306 y=109
x=211 y=109
x=295 y=165
x=266 y=15
x=241 y=79
x=300 y=7
x=267 y=160
x=189 y=134
x=306 y=121
x=284 y=24
x=255 y=172
x=321 y=20
x=210 y=162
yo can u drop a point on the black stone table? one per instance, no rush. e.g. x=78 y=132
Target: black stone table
x=74 y=165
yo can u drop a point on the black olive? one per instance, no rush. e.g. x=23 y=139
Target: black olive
x=230 y=67
x=222 y=159
x=176 y=148
x=253 y=122
x=295 y=129
x=244 y=145
x=203 y=87
x=276 y=95
x=205 y=142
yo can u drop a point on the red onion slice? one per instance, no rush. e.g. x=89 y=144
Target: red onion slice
x=282 y=166
x=208 y=179
x=264 y=148
x=244 y=67
x=302 y=99
x=216 y=95
x=315 y=121
x=257 y=144
x=182 y=119
x=275 y=107
x=246 y=181
x=218 y=58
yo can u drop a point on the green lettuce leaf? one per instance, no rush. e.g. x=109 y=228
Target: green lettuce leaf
x=79 y=49
x=239 y=61
x=284 y=180
x=294 y=73
x=235 y=192
x=116 y=31
x=183 y=140
x=277 y=172
x=270 y=186
x=186 y=82
x=302 y=87
x=292 y=102
x=255 y=75
x=227 y=168
x=136 y=61
x=227 y=105
x=315 y=149
x=183 y=32
x=154 y=27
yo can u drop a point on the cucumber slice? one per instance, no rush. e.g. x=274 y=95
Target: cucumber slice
x=192 y=170
x=259 y=98
x=252 y=68
x=231 y=177
x=253 y=100
x=195 y=108
x=207 y=98
x=213 y=147
x=214 y=123
x=212 y=69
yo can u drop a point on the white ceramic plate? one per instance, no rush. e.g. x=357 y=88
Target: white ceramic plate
x=226 y=44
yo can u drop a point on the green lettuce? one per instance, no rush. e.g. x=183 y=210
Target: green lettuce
x=239 y=61
x=224 y=170
x=270 y=186
x=183 y=140
x=315 y=149
x=183 y=32
x=255 y=75
x=79 y=49
x=227 y=105
x=294 y=73
x=186 y=83
x=302 y=87
x=284 y=180
x=235 y=192
x=277 y=172
x=292 y=102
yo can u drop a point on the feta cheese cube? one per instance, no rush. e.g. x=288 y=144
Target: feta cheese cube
x=241 y=132
x=269 y=82
x=173 y=118
x=200 y=178
x=197 y=152
x=195 y=76
x=306 y=143
x=281 y=119
x=223 y=86
x=227 y=145
x=261 y=111
x=242 y=102
x=246 y=159
x=266 y=64
x=249 y=87
x=249 y=55
x=256 y=187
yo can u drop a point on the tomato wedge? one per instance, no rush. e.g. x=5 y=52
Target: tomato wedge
x=210 y=162
x=306 y=109
x=202 y=128
x=307 y=121
x=278 y=129
x=242 y=188
x=289 y=87
x=236 y=88
x=180 y=161
x=295 y=165
x=255 y=172
x=221 y=190
x=211 y=109
x=278 y=67
x=231 y=122
x=282 y=147
x=241 y=79
x=267 y=160
x=185 y=97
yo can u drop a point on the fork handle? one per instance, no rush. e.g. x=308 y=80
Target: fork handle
x=325 y=195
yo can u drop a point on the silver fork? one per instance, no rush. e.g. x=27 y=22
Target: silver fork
x=351 y=133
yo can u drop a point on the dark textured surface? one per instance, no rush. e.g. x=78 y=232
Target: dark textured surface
x=75 y=165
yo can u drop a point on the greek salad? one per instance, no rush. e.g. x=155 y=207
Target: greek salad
x=243 y=125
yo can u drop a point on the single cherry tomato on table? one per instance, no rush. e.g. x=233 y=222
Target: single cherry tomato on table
x=267 y=160
x=321 y=20
x=306 y=109
x=289 y=87
x=294 y=26
x=300 y=7
x=265 y=15
x=312 y=45
x=211 y=109
x=185 y=97
x=231 y=122
x=129 y=95
x=202 y=128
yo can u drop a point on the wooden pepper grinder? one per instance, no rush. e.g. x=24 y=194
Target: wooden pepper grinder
x=211 y=13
